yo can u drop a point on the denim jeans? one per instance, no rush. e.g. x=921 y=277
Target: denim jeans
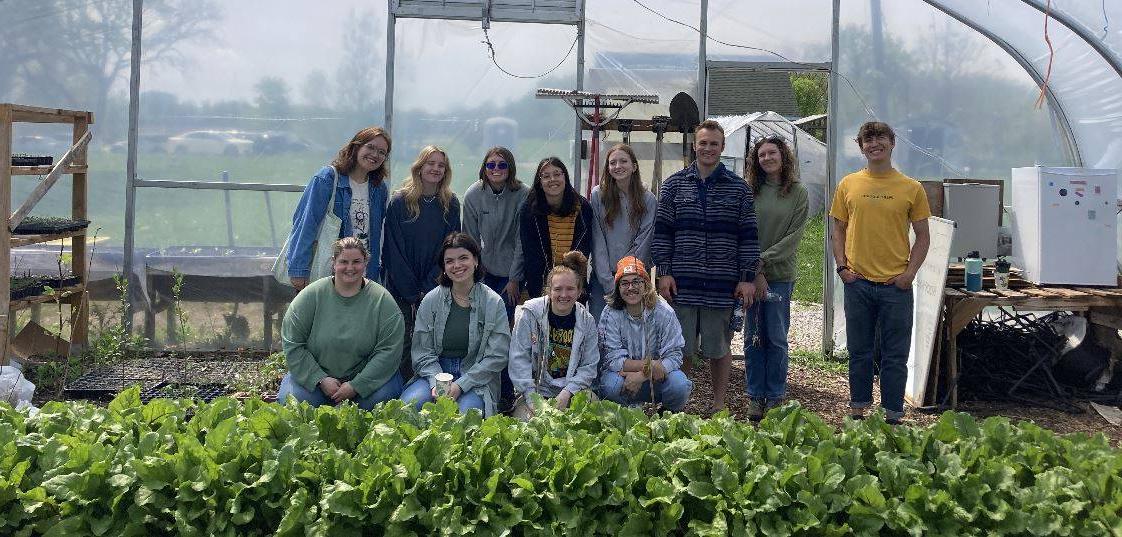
x=419 y=391
x=765 y=365
x=673 y=392
x=872 y=308
x=497 y=283
x=390 y=390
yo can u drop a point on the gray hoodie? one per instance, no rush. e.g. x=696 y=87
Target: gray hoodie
x=492 y=219
x=610 y=244
x=488 y=341
x=530 y=345
x=621 y=337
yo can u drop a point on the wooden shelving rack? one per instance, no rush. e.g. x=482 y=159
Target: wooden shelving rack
x=74 y=163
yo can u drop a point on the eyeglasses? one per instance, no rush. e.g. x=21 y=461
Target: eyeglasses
x=492 y=165
x=377 y=150
x=554 y=175
x=628 y=284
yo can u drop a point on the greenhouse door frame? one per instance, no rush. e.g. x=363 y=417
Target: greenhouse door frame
x=564 y=12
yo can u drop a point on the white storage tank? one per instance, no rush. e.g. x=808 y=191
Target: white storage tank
x=1064 y=225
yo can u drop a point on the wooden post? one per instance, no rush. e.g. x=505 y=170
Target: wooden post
x=79 y=302
x=5 y=233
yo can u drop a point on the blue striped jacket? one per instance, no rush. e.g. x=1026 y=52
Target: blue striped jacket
x=709 y=244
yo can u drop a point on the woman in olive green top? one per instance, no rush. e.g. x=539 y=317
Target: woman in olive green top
x=781 y=212
x=342 y=336
x=461 y=329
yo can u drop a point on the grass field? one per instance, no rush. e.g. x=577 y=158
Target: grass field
x=808 y=283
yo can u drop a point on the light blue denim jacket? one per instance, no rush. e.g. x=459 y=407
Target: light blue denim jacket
x=530 y=343
x=488 y=341
x=310 y=212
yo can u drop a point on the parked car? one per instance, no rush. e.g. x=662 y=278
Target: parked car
x=271 y=143
x=210 y=143
x=145 y=143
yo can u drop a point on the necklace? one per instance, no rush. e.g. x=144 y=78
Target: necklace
x=429 y=199
x=466 y=299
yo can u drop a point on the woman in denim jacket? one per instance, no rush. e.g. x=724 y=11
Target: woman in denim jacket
x=361 y=165
x=461 y=329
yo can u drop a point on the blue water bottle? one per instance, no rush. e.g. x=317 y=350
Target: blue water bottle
x=973 y=271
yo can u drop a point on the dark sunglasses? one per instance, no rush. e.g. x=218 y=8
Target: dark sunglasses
x=493 y=165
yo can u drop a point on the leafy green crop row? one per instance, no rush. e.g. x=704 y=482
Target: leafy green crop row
x=259 y=468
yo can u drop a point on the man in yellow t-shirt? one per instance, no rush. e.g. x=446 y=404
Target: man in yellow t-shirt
x=871 y=213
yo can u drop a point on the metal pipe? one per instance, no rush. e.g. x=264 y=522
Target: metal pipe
x=391 y=38
x=832 y=139
x=130 y=161
x=215 y=185
x=702 y=73
x=577 y=135
x=1071 y=145
x=229 y=214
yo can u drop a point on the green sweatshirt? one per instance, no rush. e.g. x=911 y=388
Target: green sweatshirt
x=780 y=220
x=356 y=339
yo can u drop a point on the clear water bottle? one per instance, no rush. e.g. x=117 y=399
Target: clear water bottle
x=772 y=296
x=736 y=322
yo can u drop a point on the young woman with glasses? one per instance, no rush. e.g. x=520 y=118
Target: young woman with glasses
x=555 y=219
x=781 y=214
x=357 y=176
x=641 y=343
x=420 y=215
x=624 y=210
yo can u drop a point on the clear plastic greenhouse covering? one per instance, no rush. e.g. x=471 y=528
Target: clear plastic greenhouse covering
x=266 y=91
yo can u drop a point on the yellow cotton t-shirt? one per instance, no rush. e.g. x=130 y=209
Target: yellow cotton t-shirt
x=878 y=209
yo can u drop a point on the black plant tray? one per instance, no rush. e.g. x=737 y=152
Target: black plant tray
x=95 y=385
x=36 y=225
x=23 y=159
x=26 y=291
x=200 y=392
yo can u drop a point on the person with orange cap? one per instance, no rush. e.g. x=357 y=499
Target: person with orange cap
x=641 y=343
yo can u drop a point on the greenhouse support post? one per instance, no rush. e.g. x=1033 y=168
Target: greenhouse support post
x=832 y=139
x=578 y=134
x=130 y=165
x=702 y=75
x=391 y=38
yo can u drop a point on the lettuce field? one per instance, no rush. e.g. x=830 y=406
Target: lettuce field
x=255 y=468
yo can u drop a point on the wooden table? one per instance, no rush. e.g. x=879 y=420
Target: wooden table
x=1102 y=304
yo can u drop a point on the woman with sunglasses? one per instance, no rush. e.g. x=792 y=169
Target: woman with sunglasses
x=781 y=214
x=555 y=219
x=624 y=210
x=357 y=177
x=491 y=218
x=641 y=343
x=421 y=213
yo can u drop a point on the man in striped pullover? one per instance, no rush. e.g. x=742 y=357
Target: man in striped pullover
x=706 y=252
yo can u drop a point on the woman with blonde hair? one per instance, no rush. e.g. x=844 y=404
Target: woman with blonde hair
x=553 y=351
x=641 y=343
x=421 y=213
x=342 y=336
x=355 y=180
x=781 y=214
x=624 y=211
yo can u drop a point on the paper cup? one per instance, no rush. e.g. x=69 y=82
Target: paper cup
x=443 y=383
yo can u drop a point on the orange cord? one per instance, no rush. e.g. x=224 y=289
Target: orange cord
x=1051 y=55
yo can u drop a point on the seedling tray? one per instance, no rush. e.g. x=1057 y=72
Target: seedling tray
x=95 y=385
x=204 y=393
x=23 y=159
x=54 y=282
x=25 y=289
x=36 y=225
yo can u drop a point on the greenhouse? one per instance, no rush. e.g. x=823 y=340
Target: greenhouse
x=143 y=347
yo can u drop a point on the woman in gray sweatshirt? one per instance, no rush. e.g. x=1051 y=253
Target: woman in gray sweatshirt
x=491 y=218
x=624 y=210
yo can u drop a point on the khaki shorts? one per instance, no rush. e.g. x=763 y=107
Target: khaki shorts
x=713 y=326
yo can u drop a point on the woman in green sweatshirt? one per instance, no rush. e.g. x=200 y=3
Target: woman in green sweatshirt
x=781 y=212
x=342 y=336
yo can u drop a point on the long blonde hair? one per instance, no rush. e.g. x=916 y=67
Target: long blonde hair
x=609 y=191
x=412 y=191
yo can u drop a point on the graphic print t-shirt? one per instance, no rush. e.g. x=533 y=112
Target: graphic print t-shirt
x=360 y=210
x=561 y=330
